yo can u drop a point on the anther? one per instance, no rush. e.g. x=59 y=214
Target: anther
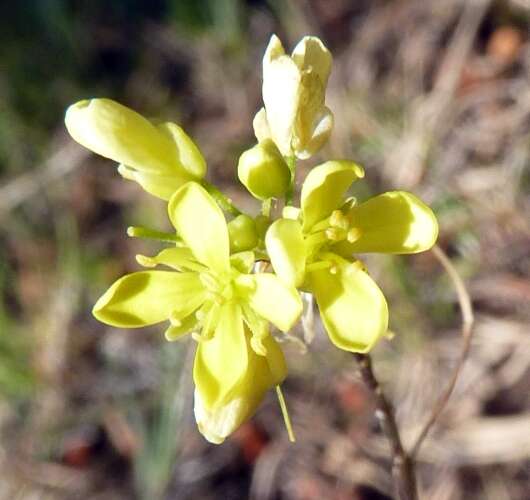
x=353 y=234
x=335 y=234
x=146 y=261
x=338 y=220
x=174 y=320
x=257 y=346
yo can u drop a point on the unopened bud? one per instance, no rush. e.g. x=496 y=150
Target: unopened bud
x=263 y=171
x=243 y=233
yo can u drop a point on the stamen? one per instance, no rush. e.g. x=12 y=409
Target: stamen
x=209 y=282
x=285 y=414
x=145 y=261
x=353 y=234
x=210 y=322
x=257 y=346
x=335 y=234
x=339 y=220
x=151 y=234
x=349 y=203
x=315 y=266
x=316 y=239
x=174 y=320
x=126 y=172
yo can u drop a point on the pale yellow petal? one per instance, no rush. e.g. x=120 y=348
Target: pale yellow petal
x=311 y=53
x=161 y=186
x=222 y=361
x=323 y=125
x=352 y=307
x=281 y=95
x=201 y=224
x=286 y=248
x=217 y=422
x=149 y=297
x=272 y=299
x=395 y=222
x=261 y=125
x=119 y=133
x=190 y=157
x=324 y=189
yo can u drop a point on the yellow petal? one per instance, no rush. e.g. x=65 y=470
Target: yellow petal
x=218 y=422
x=281 y=94
x=395 y=222
x=222 y=361
x=324 y=189
x=310 y=108
x=352 y=307
x=119 y=133
x=189 y=154
x=286 y=249
x=322 y=127
x=201 y=224
x=261 y=126
x=177 y=330
x=272 y=299
x=311 y=53
x=161 y=186
x=149 y=297
x=243 y=261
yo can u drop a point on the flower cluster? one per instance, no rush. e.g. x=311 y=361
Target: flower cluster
x=227 y=283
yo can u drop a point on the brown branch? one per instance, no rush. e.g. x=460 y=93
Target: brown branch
x=466 y=310
x=403 y=470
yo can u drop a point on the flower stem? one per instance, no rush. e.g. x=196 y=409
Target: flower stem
x=466 y=310
x=151 y=234
x=291 y=163
x=266 y=207
x=403 y=468
x=222 y=200
x=285 y=414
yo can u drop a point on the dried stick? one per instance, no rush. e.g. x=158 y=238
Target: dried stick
x=403 y=470
x=466 y=310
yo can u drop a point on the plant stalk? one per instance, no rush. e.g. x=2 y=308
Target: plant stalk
x=403 y=467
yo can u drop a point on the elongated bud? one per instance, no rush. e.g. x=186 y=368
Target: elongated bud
x=263 y=171
x=243 y=233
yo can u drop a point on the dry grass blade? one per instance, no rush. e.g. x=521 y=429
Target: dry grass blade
x=466 y=310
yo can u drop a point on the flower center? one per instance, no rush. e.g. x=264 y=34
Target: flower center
x=336 y=228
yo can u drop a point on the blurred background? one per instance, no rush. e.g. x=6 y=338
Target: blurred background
x=431 y=97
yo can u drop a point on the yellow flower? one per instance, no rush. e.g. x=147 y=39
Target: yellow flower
x=313 y=249
x=212 y=292
x=218 y=421
x=295 y=115
x=160 y=158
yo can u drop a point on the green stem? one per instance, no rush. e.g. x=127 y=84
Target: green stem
x=224 y=202
x=291 y=163
x=285 y=413
x=266 y=207
x=151 y=234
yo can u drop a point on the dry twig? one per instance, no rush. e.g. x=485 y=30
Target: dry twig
x=467 y=329
x=402 y=465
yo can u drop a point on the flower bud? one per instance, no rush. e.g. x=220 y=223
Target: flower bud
x=243 y=233
x=295 y=115
x=263 y=171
